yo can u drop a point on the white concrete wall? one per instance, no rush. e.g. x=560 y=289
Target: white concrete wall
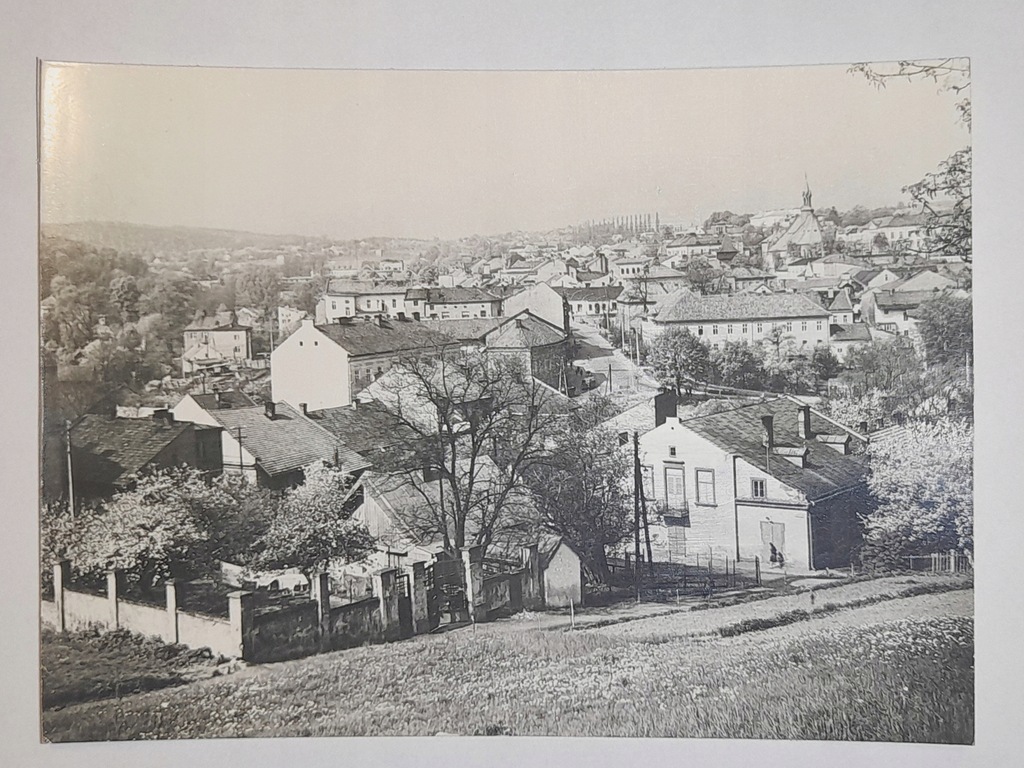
x=308 y=367
x=805 y=332
x=562 y=580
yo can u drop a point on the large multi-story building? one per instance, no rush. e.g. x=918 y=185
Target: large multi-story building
x=747 y=317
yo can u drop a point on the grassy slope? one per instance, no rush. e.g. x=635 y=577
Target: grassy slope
x=85 y=666
x=898 y=670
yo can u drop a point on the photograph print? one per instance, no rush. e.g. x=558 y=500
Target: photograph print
x=507 y=403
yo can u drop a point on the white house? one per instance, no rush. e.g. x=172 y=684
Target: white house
x=761 y=480
x=324 y=366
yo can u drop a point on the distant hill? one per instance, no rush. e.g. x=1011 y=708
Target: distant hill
x=141 y=238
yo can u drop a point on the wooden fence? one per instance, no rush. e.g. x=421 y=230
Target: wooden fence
x=941 y=562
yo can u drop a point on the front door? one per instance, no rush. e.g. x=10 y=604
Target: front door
x=773 y=534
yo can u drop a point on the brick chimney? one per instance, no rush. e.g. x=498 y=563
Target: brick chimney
x=665 y=405
x=768 y=422
x=803 y=422
x=304 y=408
x=270 y=409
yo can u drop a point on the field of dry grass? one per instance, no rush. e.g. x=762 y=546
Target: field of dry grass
x=901 y=669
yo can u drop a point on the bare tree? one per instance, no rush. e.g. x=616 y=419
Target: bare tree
x=478 y=422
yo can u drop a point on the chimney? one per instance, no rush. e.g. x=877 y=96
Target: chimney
x=665 y=405
x=769 y=431
x=803 y=423
x=862 y=427
x=270 y=409
x=305 y=408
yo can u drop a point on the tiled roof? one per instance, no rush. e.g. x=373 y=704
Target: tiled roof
x=365 y=429
x=524 y=331
x=694 y=240
x=849 y=332
x=740 y=431
x=365 y=337
x=105 y=451
x=583 y=275
x=465 y=329
x=841 y=303
x=897 y=300
x=597 y=293
x=804 y=230
x=685 y=306
x=457 y=296
x=287 y=442
x=360 y=288
x=222 y=321
x=229 y=398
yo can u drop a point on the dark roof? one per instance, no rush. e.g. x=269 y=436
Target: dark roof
x=222 y=321
x=896 y=300
x=585 y=274
x=596 y=293
x=842 y=302
x=107 y=451
x=849 y=332
x=342 y=287
x=365 y=429
x=693 y=240
x=465 y=329
x=740 y=431
x=366 y=337
x=229 y=398
x=287 y=442
x=686 y=306
x=458 y=295
x=524 y=331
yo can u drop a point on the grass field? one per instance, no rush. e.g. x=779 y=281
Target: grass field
x=895 y=669
x=84 y=666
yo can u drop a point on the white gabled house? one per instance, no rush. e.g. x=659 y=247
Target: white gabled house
x=739 y=482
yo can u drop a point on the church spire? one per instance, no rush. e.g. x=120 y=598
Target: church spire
x=807 y=193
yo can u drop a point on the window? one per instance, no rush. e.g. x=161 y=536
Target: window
x=760 y=327
x=758 y=489
x=803 y=325
x=744 y=329
x=728 y=329
x=700 y=330
x=789 y=327
x=819 y=325
x=671 y=450
x=714 y=330
x=483 y=313
x=300 y=343
x=334 y=305
x=623 y=438
x=675 y=485
x=705 y=486
x=394 y=302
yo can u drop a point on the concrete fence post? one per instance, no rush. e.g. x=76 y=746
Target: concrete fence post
x=320 y=587
x=242 y=615
x=472 y=561
x=952 y=561
x=61 y=577
x=532 y=591
x=113 y=578
x=418 y=598
x=387 y=597
x=171 y=587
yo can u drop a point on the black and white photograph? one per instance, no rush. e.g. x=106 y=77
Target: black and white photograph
x=581 y=403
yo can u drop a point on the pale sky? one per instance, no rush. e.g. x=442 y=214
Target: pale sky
x=448 y=154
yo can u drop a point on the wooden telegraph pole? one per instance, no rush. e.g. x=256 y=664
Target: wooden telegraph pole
x=637 y=481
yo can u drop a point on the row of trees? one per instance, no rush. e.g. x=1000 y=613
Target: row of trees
x=681 y=360
x=178 y=524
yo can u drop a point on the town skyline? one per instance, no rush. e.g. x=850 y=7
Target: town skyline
x=159 y=147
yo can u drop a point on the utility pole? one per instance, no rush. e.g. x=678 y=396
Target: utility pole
x=71 y=477
x=241 y=461
x=636 y=512
x=647 y=525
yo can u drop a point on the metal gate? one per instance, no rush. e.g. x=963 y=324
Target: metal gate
x=404 y=591
x=446 y=593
